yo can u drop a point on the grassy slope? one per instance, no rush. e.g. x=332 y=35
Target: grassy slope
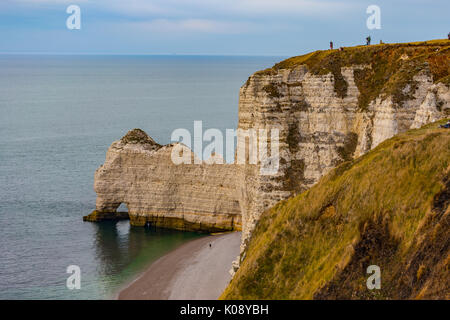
x=392 y=67
x=388 y=207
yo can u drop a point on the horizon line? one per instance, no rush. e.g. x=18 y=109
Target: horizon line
x=141 y=54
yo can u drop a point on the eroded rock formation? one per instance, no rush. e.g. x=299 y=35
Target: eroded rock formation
x=329 y=106
x=140 y=173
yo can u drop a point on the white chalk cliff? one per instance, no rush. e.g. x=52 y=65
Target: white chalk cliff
x=330 y=106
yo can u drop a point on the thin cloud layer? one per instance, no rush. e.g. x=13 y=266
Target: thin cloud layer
x=277 y=27
x=192 y=25
x=183 y=8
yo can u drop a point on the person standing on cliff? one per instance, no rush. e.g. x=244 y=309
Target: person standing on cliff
x=331 y=45
x=368 y=39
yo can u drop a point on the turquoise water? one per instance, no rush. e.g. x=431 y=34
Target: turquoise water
x=58 y=116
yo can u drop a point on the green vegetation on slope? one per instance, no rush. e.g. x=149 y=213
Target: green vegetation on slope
x=392 y=68
x=389 y=208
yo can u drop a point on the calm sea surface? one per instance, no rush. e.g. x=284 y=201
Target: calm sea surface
x=58 y=116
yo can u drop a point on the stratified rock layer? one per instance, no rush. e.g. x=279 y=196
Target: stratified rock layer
x=331 y=106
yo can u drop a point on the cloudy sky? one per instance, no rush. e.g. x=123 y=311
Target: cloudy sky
x=228 y=27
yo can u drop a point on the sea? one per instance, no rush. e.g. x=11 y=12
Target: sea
x=58 y=116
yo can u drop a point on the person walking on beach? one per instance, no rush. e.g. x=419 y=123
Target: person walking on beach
x=331 y=45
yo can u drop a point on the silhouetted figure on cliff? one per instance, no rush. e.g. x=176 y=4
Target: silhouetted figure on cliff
x=368 y=39
x=331 y=45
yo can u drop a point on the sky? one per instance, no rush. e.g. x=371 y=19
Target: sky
x=213 y=27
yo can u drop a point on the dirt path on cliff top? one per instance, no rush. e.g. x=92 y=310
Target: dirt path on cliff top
x=194 y=271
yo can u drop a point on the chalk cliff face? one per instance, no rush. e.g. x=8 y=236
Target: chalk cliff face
x=140 y=173
x=330 y=106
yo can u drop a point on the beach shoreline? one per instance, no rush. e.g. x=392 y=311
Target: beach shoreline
x=197 y=270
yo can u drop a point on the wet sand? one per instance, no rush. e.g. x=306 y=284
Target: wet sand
x=194 y=271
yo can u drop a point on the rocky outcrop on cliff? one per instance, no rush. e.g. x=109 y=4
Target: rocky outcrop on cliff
x=140 y=173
